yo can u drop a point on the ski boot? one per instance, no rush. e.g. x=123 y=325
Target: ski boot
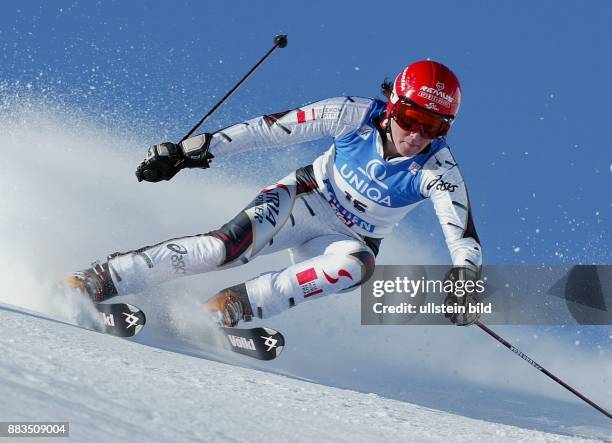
x=95 y=282
x=230 y=306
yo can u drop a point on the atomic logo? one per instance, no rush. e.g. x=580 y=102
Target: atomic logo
x=130 y=319
x=269 y=342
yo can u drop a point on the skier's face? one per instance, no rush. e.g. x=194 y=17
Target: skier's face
x=408 y=142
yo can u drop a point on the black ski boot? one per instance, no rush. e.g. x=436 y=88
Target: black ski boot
x=230 y=306
x=95 y=282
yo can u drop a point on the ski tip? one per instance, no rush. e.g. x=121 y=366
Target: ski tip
x=120 y=319
x=273 y=341
x=270 y=331
x=136 y=320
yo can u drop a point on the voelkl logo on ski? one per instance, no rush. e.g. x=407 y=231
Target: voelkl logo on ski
x=130 y=319
x=270 y=342
x=241 y=342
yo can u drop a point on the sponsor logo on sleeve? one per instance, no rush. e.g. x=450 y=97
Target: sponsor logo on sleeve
x=441 y=185
x=324 y=113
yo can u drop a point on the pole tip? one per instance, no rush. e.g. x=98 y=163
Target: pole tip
x=280 y=40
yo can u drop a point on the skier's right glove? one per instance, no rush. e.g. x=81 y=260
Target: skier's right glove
x=163 y=161
x=463 y=298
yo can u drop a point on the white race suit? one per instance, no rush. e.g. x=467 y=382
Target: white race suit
x=331 y=215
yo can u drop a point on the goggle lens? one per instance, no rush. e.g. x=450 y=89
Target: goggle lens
x=409 y=116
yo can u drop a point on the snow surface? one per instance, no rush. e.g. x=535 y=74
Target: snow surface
x=70 y=196
x=113 y=389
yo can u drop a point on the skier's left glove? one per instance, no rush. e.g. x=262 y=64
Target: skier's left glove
x=165 y=160
x=462 y=297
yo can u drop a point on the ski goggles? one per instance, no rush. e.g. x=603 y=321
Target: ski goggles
x=410 y=116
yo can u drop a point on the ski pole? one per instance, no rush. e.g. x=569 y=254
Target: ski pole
x=541 y=369
x=280 y=41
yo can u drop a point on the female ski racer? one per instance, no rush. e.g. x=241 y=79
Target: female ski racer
x=332 y=214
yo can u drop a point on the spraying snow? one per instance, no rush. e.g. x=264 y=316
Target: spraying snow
x=70 y=196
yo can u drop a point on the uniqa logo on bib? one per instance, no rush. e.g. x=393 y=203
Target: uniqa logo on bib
x=369 y=181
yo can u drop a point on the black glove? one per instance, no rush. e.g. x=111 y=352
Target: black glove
x=462 y=296
x=163 y=161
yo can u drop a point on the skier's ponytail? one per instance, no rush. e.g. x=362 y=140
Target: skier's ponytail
x=386 y=87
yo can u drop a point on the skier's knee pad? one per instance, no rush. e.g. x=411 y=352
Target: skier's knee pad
x=367 y=261
x=236 y=235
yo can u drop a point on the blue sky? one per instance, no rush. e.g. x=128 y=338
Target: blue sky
x=531 y=136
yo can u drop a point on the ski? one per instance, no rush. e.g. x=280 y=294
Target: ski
x=260 y=343
x=118 y=319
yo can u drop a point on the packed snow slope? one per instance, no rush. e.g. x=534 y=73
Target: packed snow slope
x=69 y=196
x=114 y=390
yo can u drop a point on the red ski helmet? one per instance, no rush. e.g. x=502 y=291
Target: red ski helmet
x=428 y=84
